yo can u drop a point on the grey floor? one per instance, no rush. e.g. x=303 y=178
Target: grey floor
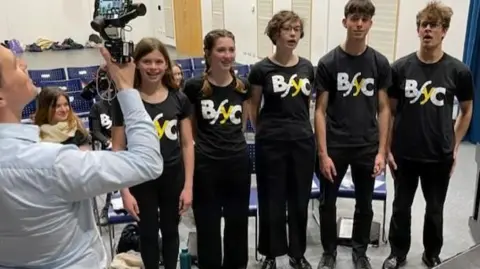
x=458 y=208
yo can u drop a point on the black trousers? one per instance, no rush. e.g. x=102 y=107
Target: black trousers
x=284 y=182
x=162 y=193
x=361 y=161
x=222 y=188
x=434 y=179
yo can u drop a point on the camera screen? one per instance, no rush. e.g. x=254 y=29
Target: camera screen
x=110 y=7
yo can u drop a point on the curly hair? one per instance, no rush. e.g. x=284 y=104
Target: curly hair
x=435 y=11
x=278 y=20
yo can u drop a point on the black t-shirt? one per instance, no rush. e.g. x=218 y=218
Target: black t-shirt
x=286 y=94
x=218 y=118
x=100 y=122
x=352 y=83
x=423 y=127
x=166 y=117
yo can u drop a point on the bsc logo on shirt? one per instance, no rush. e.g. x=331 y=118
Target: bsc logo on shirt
x=166 y=127
x=210 y=113
x=344 y=84
x=425 y=93
x=297 y=84
x=105 y=121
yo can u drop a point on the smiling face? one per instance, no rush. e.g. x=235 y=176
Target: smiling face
x=177 y=74
x=222 y=55
x=16 y=87
x=60 y=110
x=152 y=67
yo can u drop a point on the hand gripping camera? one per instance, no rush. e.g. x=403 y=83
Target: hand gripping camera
x=110 y=19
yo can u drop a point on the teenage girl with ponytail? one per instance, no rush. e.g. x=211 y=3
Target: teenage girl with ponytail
x=158 y=203
x=221 y=177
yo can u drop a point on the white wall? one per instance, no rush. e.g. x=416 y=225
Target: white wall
x=327 y=29
x=61 y=19
x=28 y=20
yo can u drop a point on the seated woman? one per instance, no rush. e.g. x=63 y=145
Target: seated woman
x=100 y=122
x=57 y=121
x=178 y=75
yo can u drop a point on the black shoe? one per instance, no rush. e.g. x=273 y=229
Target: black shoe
x=300 y=263
x=361 y=262
x=269 y=263
x=393 y=262
x=327 y=262
x=431 y=262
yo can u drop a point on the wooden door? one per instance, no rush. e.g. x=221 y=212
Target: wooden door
x=188 y=27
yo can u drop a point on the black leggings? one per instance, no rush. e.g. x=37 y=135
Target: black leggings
x=284 y=176
x=162 y=193
x=361 y=161
x=222 y=188
x=434 y=178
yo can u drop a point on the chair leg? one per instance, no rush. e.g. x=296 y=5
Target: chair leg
x=111 y=238
x=384 y=236
x=256 y=239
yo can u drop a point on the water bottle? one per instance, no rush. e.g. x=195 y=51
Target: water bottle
x=185 y=259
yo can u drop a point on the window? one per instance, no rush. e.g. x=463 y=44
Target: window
x=383 y=35
x=169 y=22
x=218 y=19
x=304 y=9
x=264 y=14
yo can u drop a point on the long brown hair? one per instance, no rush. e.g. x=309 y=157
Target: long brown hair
x=146 y=46
x=209 y=43
x=46 y=103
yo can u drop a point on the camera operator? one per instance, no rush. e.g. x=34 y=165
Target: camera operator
x=47 y=188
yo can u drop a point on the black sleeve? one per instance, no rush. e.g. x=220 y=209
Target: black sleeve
x=81 y=139
x=323 y=81
x=384 y=73
x=248 y=90
x=465 y=87
x=191 y=90
x=394 y=90
x=96 y=126
x=186 y=106
x=117 y=115
x=255 y=77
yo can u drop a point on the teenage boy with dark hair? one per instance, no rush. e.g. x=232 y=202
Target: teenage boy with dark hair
x=424 y=140
x=351 y=83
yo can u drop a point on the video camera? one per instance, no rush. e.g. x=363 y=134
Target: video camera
x=110 y=19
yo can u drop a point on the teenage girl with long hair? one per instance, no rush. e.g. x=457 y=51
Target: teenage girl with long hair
x=160 y=202
x=221 y=178
x=57 y=121
x=284 y=142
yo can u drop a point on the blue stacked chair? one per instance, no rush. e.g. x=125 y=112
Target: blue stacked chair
x=71 y=85
x=185 y=64
x=198 y=63
x=39 y=76
x=29 y=110
x=241 y=70
x=187 y=73
x=197 y=72
x=74 y=89
x=85 y=74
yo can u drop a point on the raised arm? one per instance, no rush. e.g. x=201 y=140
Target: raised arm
x=84 y=174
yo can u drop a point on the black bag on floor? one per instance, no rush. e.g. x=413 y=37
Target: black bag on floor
x=130 y=239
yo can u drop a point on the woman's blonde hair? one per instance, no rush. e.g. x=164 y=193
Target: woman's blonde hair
x=46 y=104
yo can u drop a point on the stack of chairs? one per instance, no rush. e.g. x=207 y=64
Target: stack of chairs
x=71 y=80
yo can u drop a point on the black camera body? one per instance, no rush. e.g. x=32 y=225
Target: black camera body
x=110 y=19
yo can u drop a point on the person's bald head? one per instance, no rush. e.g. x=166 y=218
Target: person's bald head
x=16 y=87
